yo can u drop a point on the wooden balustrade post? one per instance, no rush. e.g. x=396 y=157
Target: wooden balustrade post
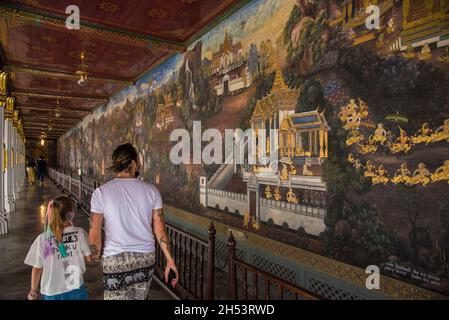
x=232 y=270
x=80 y=194
x=211 y=263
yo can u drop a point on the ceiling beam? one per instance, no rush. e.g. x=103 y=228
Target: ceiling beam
x=64 y=75
x=47 y=108
x=53 y=119
x=28 y=124
x=58 y=96
x=104 y=31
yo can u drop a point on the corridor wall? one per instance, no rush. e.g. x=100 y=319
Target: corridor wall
x=367 y=109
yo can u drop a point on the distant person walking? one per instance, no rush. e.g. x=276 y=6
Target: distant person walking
x=133 y=217
x=31 y=171
x=41 y=170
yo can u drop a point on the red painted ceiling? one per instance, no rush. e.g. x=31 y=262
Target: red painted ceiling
x=122 y=40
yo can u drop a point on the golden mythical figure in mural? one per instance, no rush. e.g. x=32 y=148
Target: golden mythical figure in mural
x=369 y=169
x=284 y=176
x=403 y=175
x=381 y=176
x=424 y=135
x=256 y=224
x=425 y=53
x=370 y=147
x=380 y=135
x=441 y=173
x=293 y=171
x=246 y=220
x=442 y=133
x=268 y=193
x=291 y=197
x=421 y=175
x=403 y=143
x=354 y=137
x=353 y=114
x=277 y=194
x=445 y=56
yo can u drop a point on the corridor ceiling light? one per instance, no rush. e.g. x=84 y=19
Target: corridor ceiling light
x=82 y=73
x=58 y=112
x=42 y=142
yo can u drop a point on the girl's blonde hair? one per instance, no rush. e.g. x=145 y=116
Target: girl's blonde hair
x=59 y=210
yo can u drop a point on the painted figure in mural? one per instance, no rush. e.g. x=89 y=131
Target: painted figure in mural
x=424 y=135
x=306 y=168
x=403 y=143
x=445 y=56
x=442 y=133
x=291 y=197
x=277 y=194
x=268 y=193
x=369 y=169
x=425 y=53
x=124 y=201
x=442 y=173
x=421 y=175
x=354 y=137
x=403 y=175
x=380 y=177
x=380 y=135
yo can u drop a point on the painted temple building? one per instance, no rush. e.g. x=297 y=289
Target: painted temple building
x=425 y=22
x=230 y=71
x=292 y=193
x=164 y=113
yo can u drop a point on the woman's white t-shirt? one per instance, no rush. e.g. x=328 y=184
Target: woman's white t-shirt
x=60 y=275
x=127 y=206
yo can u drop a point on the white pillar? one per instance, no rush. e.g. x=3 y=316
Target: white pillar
x=14 y=160
x=2 y=120
x=7 y=141
x=13 y=165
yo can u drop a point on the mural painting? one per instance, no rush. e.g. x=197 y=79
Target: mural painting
x=362 y=120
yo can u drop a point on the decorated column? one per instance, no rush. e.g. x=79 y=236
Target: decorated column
x=15 y=149
x=3 y=81
x=7 y=139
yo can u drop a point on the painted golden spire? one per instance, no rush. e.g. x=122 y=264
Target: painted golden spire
x=279 y=83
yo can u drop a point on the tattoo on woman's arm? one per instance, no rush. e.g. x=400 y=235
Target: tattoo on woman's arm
x=164 y=240
x=160 y=214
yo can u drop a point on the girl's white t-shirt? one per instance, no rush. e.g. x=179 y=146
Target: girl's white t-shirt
x=60 y=274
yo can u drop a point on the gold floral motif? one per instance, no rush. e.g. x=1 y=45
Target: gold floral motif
x=123 y=53
x=157 y=13
x=38 y=49
x=108 y=6
x=49 y=39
